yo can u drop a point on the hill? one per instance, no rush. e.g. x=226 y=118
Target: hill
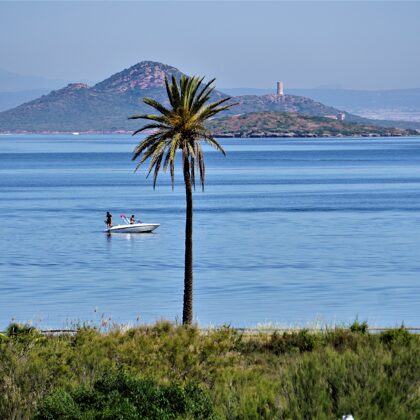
x=106 y=106
x=282 y=124
x=103 y=107
x=306 y=106
x=286 y=103
x=398 y=104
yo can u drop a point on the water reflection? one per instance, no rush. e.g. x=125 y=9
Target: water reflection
x=129 y=236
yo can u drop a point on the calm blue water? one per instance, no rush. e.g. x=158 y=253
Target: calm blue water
x=288 y=231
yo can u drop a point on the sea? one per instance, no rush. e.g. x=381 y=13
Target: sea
x=288 y=233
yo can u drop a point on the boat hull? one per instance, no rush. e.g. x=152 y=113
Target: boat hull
x=134 y=228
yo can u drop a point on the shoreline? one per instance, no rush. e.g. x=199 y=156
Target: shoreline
x=313 y=328
x=219 y=136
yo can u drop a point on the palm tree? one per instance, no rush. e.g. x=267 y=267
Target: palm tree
x=180 y=127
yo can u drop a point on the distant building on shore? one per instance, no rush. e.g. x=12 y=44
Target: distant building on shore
x=280 y=91
x=340 y=117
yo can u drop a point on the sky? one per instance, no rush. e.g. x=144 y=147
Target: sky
x=351 y=44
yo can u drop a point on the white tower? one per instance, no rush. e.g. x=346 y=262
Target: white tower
x=280 y=88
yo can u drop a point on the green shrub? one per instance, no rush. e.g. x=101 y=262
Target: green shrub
x=396 y=336
x=59 y=405
x=290 y=342
x=123 y=396
x=16 y=330
x=357 y=327
x=343 y=339
x=366 y=384
x=317 y=374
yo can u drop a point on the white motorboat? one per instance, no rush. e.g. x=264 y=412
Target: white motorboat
x=137 y=227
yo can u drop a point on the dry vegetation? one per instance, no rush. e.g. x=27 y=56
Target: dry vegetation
x=218 y=374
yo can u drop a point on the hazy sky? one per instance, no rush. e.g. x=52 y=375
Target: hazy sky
x=370 y=45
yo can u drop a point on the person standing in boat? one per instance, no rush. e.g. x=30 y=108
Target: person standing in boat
x=132 y=219
x=108 y=219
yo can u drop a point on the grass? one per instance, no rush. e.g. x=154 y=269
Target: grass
x=291 y=375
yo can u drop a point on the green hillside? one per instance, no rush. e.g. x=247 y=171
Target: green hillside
x=286 y=124
x=104 y=107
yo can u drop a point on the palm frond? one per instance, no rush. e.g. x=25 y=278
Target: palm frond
x=146 y=156
x=194 y=89
x=150 y=150
x=156 y=172
x=181 y=126
x=156 y=161
x=158 y=106
x=155 y=155
x=169 y=92
x=208 y=111
x=199 y=103
x=151 y=126
x=192 y=170
x=149 y=141
x=152 y=117
x=213 y=143
x=206 y=89
x=200 y=163
x=171 y=156
x=175 y=93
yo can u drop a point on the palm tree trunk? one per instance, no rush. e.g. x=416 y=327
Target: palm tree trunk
x=187 y=312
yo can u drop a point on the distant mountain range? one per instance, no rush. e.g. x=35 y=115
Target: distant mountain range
x=13 y=82
x=105 y=106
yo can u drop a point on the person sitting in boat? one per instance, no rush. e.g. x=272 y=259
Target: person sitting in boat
x=132 y=219
x=108 y=219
